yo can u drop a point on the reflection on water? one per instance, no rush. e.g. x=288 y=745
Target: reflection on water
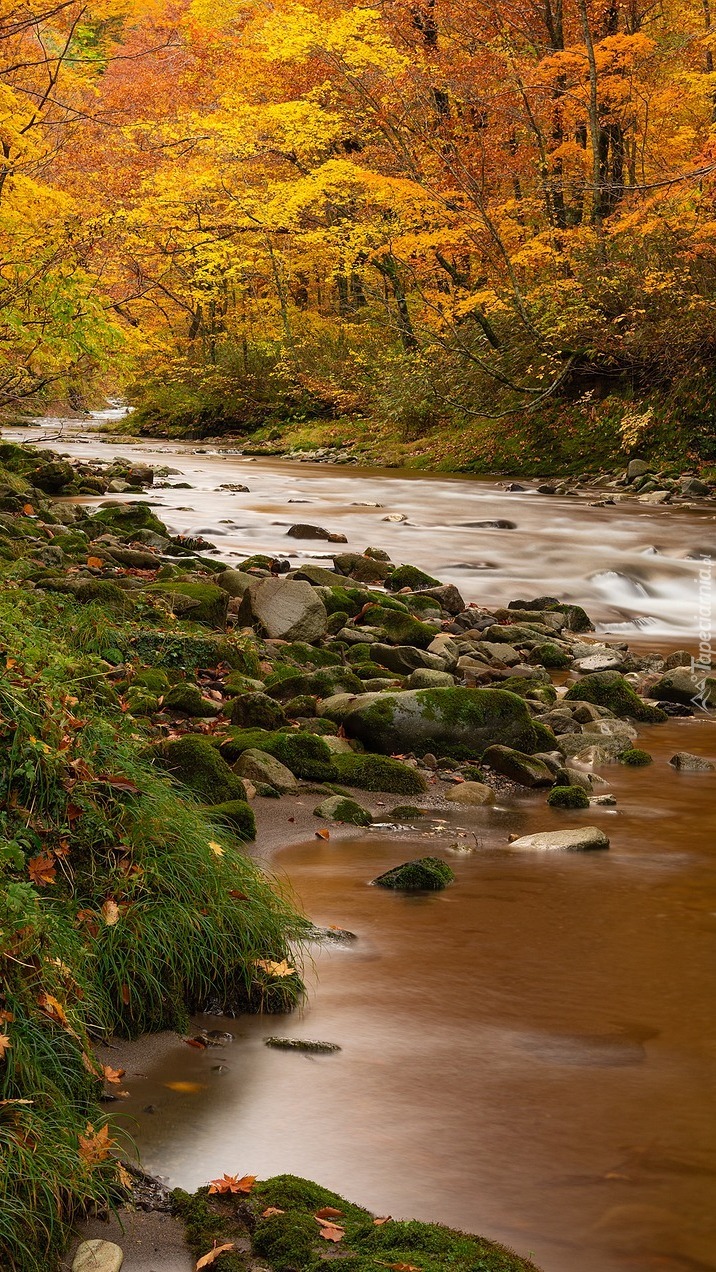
x=529 y=1054
x=624 y=563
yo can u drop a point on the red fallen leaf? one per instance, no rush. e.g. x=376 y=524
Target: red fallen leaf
x=119 y=782
x=232 y=1184
x=328 y=1212
x=238 y=896
x=41 y=870
x=72 y=812
x=81 y=770
x=95 y=563
x=126 y=995
x=323 y=834
x=28 y=510
x=207 y=1259
x=95 y=1145
x=200 y=1043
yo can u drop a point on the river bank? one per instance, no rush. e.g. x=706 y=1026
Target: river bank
x=384 y=623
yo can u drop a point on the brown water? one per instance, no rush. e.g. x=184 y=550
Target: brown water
x=530 y=1054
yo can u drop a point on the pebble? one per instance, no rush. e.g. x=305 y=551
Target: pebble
x=98 y=1256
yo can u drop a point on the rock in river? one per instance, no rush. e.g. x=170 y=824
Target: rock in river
x=688 y=763
x=580 y=839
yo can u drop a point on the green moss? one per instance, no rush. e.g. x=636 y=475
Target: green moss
x=321 y=726
x=358 y=654
x=304 y=753
x=206 y=1227
x=256 y=711
x=153 y=679
x=428 y=874
x=456 y=721
x=610 y=689
x=179 y=649
x=342 y=809
x=320 y=684
x=126 y=519
x=193 y=761
x=309 y=656
x=410 y=576
x=343 y=600
x=238 y=815
x=189 y=700
x=288 y=1241
x=400 y=628
x=373 y=671
x=568 y=797
x=379 y=773
x=551 y=655
x=636 y=758
x=200 y=602
x=406 y=812
x=302 y=705
x=336 y=622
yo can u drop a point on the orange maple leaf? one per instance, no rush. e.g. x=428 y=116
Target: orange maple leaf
x=232 y=1184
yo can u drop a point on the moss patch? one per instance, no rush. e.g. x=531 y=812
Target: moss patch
x=379 y=773
x=610 y=689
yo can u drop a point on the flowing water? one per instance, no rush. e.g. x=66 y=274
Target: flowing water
x=530 y=1054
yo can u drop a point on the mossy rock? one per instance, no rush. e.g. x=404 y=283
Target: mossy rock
x=343 y=600
x=265 y=771
x=447 y=721
x=373 y=671
x=336 y=622
x=310 y=656
x=256 y=711
x=378 y=773
x=236 y=682
x=200 y=602
x=126 y=519
x=568 y=797
x=410 y=576
x=551 y=655
x=610 y=689
x=193 y=761
x=427 y=874
x=635 y=757
x=406 y=812
x=189 y=700
x=152 y=678
x=399 y=628
x=304 y=754
x=319 y=725
x=525 y=769
x=238 y=815
x=339 y=808
x=182 y=650
x=54 y=476
x=301 y=706
x=319 y=684
x=141 y=701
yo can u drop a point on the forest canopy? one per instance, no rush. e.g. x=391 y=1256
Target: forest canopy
x=452 y=208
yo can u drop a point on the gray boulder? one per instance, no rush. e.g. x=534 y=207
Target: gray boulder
x=260 y=767
x=285 y=609
x=235 y=582
x=637 y=468
x=688 y=763
x=404 y=659
x=342 y=809
x=525 y=769
x=471 y=794
x=683 y=686
x=581 y=839
x=96 y=1255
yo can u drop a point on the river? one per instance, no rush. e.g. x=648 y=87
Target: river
x=530 y=1054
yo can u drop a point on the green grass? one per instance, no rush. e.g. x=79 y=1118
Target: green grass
x=123 y=905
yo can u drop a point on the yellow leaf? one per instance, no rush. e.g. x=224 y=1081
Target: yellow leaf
x=110 y=912
x=207 y=1259
x=217 y=849
x=5 y=1042
x=275 y=969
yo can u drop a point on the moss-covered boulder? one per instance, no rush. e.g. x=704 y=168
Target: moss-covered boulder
x=238 y=816
x=399 y=627
x=610 y=689
x=458 y=722
x=568 y=797
x=634 y=757
x=305 y=754
x=427 y=874
x=525 y=769
x=265 y=770
x=681 y=685
x=180 y=650
x=318 y=684
x=256 y=711
x=126 y=518
x=379 y=773
x=342 y=809
x=200 y=602
x=54 y=476
x=189 y=700
x=193 y=761
x=410 y=576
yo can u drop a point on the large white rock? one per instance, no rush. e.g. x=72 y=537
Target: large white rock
x=97 y=1256
x=580 y=839
x=287 y=609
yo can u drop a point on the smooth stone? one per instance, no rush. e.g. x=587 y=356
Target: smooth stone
x=96 y=1255
x=687 y=763
x=599 y=662
x=580 y=839
x=637 y=468
x=471 y=793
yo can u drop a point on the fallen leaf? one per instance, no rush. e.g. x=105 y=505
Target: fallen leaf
x=198 y=1042
x=328 y=1212
x=399 y=1267
x=124 y=1176
x=217 y=849
x=331 y=1231
x=323 y=834
x=238 y=896
x=112 y=1075
x=206 y=1260
x=41 y=870
x=232 y=1184
x=28 y=510
x=10 y=663
x=119 y=782
x=126 y=995
x=110 y=912
x=275 y=969
x=4 y=1102
x=95 y=1145
x=54 y=1009
x=90 y=918
x=378 y=1222
x=5 y=1042
x=184 y=1088
x=271 y=1210
x=6 y=1016
x=95 y=563
x=72 y=812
